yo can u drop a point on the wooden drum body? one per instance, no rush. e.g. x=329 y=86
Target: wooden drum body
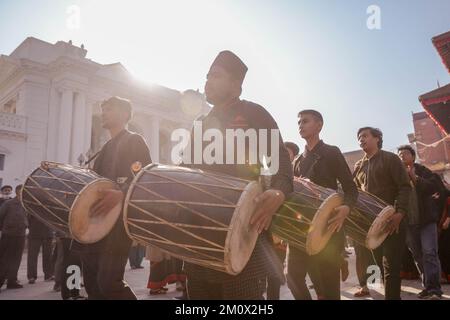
x=197 y=216
x=61 y=196
x=302 y=220
x=367 y=220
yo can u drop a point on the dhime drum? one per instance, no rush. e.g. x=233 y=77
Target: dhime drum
x=366 y=223
x=61 y=196
x=303 y=218
x=197 y=216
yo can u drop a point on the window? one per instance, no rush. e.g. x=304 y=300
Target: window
x=9 y=107
x=2 y=162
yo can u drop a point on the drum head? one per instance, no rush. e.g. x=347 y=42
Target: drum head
x=377 y=234
x=319 y=235
x=241 y=238
x=84 y=227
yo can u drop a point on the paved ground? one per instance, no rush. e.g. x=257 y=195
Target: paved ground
x=137 y=279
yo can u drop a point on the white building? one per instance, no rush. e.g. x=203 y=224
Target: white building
x=50 y=97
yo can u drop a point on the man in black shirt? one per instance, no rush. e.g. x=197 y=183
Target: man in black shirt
x=13 y=224
x=422 y=232
x=223 y=89
x=383 y=174
x=5 y=193
x=104 y=262
x=39 y=235
x=326 y=166
x=66 y=257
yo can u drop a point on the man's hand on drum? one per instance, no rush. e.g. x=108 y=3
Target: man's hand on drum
x=109 y=198
x=446 y=223
x=337 y=221
x=267 y=204
x=393 y=223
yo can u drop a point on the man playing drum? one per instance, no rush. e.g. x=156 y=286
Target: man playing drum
x=104 y=262
x=326 y=166
x=383 y=174
x=223 y=88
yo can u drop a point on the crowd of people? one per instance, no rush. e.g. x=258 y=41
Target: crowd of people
x=420 y=222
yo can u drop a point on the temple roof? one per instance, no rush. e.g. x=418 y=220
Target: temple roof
x=442 y=45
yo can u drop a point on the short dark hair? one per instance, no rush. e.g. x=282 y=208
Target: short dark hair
x=121 y=103
x=316 y=114
x=409 y=148
x=375 y=132
x=6 y=186
x=18 y=188
x=292 y=146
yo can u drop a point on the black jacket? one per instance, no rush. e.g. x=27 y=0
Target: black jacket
x=37 y=229
x=3 y=200
x=114 y=162
x=118 y=154
x=13 y=220
x=327 y=168
x=444 y=195
x=426 y=185
x=385 y=176
x=243 y=115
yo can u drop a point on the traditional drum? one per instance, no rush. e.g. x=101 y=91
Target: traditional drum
x=197 y=216
x=367 y=220
x=61 y=196
x=302 y=220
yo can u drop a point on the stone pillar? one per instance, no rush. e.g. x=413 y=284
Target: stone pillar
x=154 y=138
x=79 y=128
x=88 y=126
x=52 y=128
x=65 y=126
x=20 y=103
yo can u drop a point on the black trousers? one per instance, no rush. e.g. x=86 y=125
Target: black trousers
x=34 y=246
x=11 y=250
x=242 y=289
x=389 y=257
x=444 y=252
x=298 y=265
x=408 y=264
x=364 y=259
x=274 y=282
x=136 y=255
x=324 y=269
x=103 y=269
x=250 y=284
x=327 y=264
x=65 y=259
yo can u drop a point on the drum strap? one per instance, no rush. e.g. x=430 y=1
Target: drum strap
x=357 y=169
x=86 y=163
x=309 y=170
x=123 y=142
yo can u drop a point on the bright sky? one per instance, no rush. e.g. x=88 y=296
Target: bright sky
x=300 y=54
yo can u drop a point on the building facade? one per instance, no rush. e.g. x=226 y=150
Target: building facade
x=50 y=96
x=433 y=149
